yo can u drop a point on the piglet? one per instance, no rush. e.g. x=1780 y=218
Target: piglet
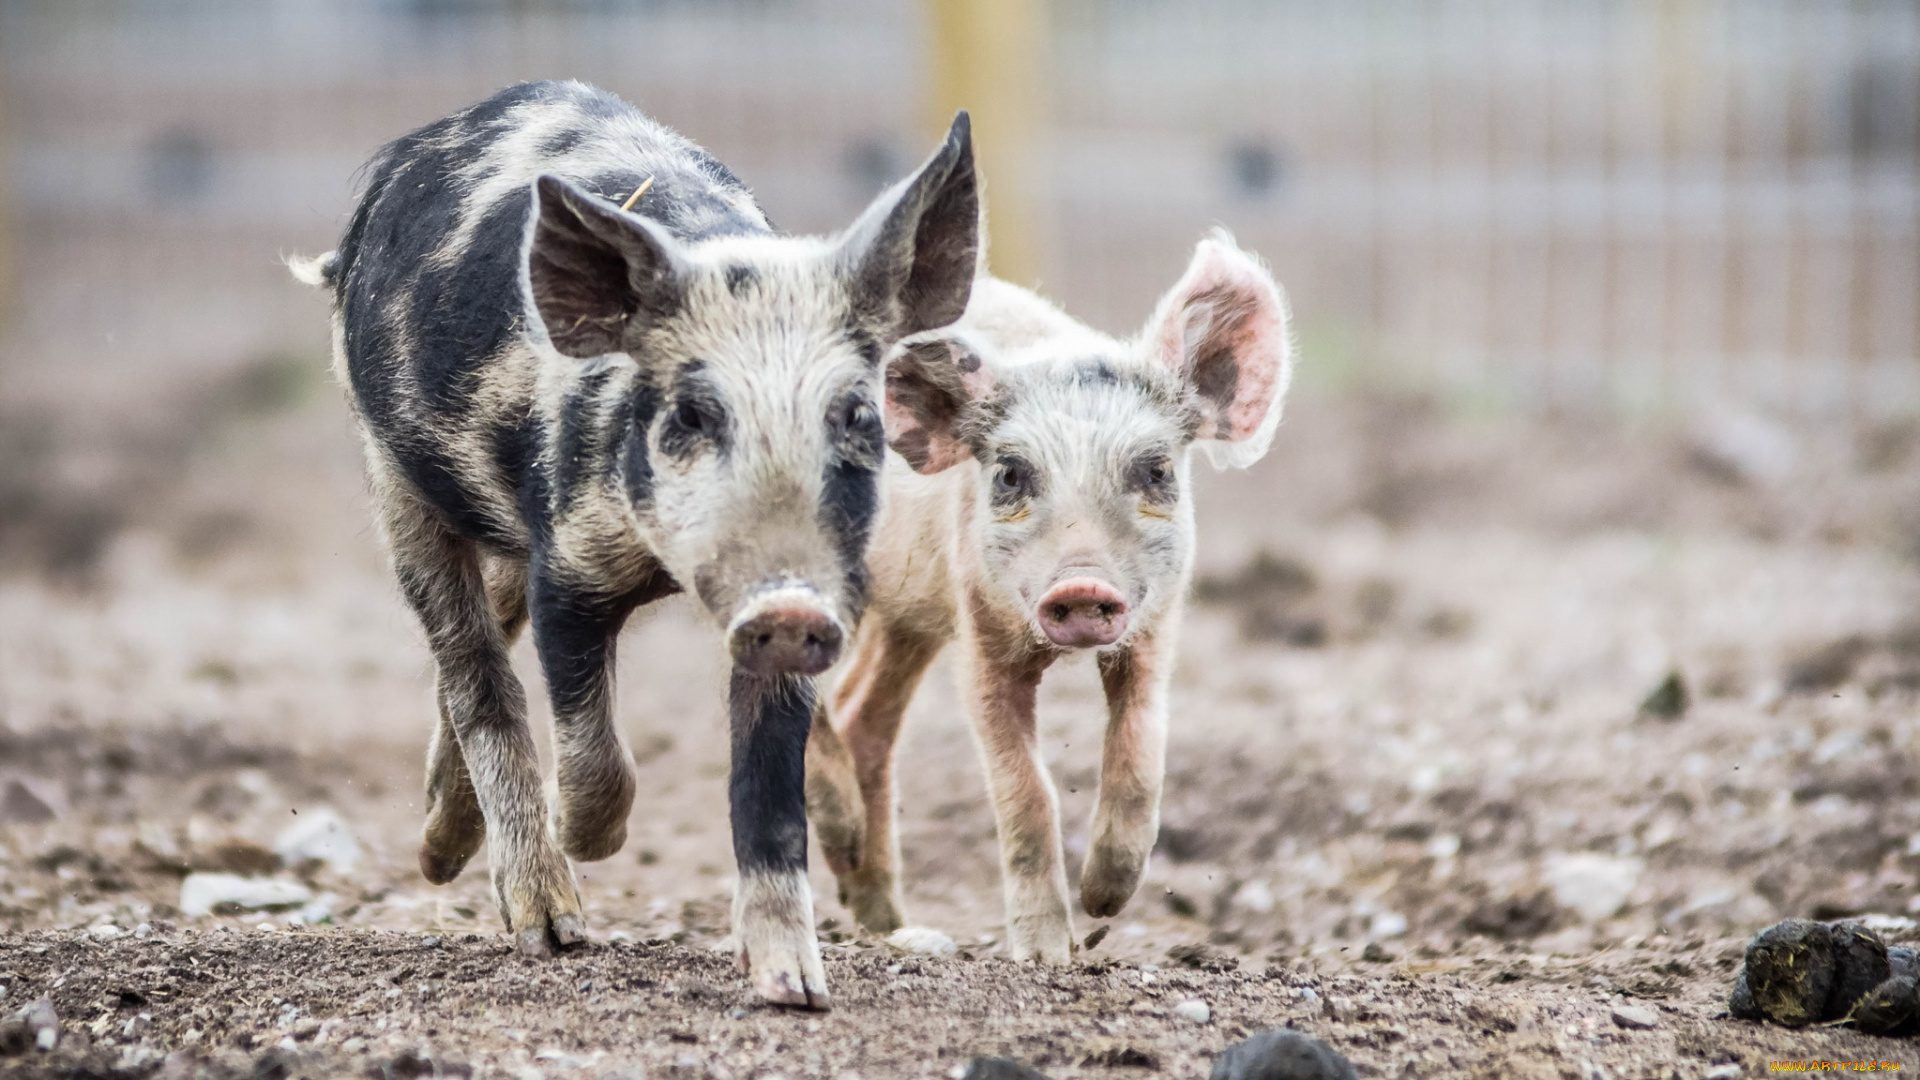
x=588 y=375
x=1039 y=504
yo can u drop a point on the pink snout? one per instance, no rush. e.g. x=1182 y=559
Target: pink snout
x=787 y=640
x=1083 y=613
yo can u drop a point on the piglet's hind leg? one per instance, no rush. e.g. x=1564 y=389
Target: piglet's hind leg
x=487 y=711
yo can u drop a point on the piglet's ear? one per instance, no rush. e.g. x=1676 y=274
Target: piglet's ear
x=911 y=258
x=930 y=383
x=593 y=268
x=1223 y=329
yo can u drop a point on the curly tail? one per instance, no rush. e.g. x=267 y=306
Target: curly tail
x=320 y=270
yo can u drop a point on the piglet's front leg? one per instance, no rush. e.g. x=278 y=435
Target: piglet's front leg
x=1126 y=818
x=773 y=904
x=1003 y=690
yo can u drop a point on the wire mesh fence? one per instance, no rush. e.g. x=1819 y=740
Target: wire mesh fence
x=1579 y=203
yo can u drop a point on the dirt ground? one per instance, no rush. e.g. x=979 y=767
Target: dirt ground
x=1414 y=805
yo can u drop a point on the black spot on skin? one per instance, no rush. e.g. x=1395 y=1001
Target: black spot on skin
x=579 y=451
x=636 y=458
x=434 y=475
x=849 y=501
x=966 y=362
x=865 y=344
x=574 y=631
x=562 y=141
x=739 y=277
x=517 y=443
x=767 y=788
x=1094 y=371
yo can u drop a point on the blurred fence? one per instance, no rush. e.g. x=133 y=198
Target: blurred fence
x=1585 y=203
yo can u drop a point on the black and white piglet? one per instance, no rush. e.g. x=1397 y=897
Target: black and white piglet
x=590 y=375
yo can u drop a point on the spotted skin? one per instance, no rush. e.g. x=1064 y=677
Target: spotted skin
x=590 y=375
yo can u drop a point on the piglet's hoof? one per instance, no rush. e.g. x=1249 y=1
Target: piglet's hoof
x=541 y=941
x=785 y=987
x=790 y=988
x=438 y=867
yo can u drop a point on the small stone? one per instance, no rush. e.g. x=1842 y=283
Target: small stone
x=1669 y=700
x=1376 y=953
x=1340 y=1010
x=1725 y=1072
x=1201 y=957
x=43 y=1023
x=922 y=941
x=1281 y=1055
x=1193 y=1011
x=204 y=894
x=1594 y=885
x=320 y=835
x=104 y=932
x=21 y=804
x=1635 y=1017
x=999 y=1068
x=316 y=912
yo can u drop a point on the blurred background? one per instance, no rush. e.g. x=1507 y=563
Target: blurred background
x=1587 y=558
x=1585 y=204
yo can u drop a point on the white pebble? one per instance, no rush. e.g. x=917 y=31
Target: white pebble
x=1193 y=1011
x=922 y=940
x=1635 y=1017
x=319 y=834
x=201 y=893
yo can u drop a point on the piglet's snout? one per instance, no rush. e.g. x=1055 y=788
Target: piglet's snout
x=1083 y=613
x=790 y=633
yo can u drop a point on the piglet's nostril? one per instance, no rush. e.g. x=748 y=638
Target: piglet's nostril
x=1060 y=612
x=1106 y=611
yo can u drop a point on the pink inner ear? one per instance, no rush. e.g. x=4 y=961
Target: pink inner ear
x=1259 y=343
x=1227 y=335
x=920 y=421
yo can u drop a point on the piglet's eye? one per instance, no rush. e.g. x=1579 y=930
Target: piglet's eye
x=1151 y=475
x=1012 y=479
x=861 y=416
x=691 y=417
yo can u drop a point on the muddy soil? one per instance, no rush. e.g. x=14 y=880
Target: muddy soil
x=1419 y=801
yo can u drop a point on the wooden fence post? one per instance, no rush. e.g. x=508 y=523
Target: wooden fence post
x=8 y=292
x=987 y=56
